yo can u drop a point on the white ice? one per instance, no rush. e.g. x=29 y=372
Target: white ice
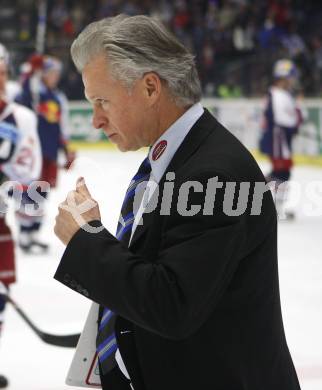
x=32 y=365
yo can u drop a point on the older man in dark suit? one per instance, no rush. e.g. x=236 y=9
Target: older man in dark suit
x=188 y=288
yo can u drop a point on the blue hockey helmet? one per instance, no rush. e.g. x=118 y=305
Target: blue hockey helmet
x=51 y=63
x=285 y=69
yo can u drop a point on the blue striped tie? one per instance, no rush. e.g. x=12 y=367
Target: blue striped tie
x=106 y=342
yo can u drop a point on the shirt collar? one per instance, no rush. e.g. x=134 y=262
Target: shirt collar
x=171 y=139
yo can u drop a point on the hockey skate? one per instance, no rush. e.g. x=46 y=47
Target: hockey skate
x=3 y=382
x=288 y=215
x=280 y=192
x=29 y=243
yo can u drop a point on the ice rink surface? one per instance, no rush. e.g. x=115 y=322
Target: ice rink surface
x=32 y=365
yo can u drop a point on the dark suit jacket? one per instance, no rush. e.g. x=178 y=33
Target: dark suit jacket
x=199 y=293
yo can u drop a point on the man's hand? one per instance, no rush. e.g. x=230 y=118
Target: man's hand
x=76 y=211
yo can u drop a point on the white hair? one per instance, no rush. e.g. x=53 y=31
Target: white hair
x=135 y=45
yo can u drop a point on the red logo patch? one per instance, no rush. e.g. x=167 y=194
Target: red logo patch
x=158 y=150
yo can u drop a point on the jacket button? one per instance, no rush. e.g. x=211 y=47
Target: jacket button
x=85 y=293
x=73 y=284
x=67 y=278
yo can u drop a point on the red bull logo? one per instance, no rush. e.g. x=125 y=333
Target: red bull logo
x=50 y=110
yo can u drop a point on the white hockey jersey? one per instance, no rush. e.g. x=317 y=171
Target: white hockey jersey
x=285 y=109
x=20 y=149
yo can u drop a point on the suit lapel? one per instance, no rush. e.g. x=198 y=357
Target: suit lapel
x=200 y=130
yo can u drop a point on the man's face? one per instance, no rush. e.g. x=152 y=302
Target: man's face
x=121 y=113
x=3 y=78
x=51 y=78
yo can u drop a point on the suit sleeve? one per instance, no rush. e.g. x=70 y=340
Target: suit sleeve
x=175 y=293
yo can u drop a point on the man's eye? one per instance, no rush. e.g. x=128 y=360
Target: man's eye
x=102 y=102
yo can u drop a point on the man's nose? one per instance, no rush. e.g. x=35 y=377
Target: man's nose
x=98 y=119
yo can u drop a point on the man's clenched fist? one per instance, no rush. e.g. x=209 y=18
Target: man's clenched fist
x=75 y=212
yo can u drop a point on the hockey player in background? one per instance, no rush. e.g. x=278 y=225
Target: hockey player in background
x=282 y=118
x=20 y=163
x=40 y=93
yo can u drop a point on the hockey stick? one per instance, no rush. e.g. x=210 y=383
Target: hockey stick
x=40 y=45
x=41 y=27
x=69 y=341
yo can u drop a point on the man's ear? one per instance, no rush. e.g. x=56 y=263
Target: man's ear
x=152 y=86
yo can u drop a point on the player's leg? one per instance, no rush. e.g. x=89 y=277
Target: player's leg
x=7 y=263
x=30 y=223
x=7 y=274
x=282 y=163
x=3 y=380
x=279 y=178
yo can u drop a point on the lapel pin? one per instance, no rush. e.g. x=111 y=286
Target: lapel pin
x=159 y=149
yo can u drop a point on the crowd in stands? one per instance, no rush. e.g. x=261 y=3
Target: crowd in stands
x=235 y=42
